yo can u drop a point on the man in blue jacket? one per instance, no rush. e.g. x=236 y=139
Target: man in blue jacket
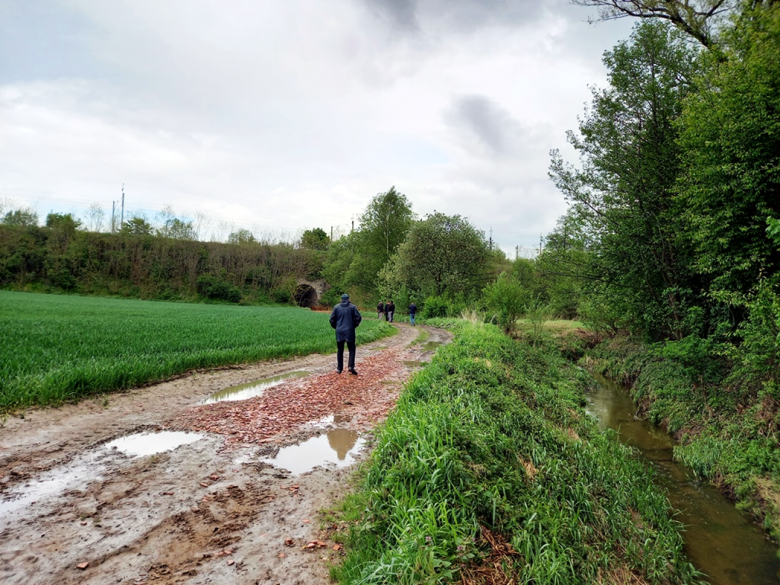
x=345 y=318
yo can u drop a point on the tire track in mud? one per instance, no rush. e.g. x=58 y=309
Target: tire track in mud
x=212 y=511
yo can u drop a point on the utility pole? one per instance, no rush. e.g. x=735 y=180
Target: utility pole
x=491 y=238
x=113 y=216
x=331 y=234
x=540 y=244
x=122 y=221
x=517 y=252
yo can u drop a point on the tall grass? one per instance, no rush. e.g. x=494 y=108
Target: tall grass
x=59 y=348
x=492 y=438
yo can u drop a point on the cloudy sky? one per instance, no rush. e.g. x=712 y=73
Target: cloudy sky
x=282 y=115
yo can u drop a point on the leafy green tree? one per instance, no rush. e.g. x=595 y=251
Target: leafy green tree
x=442 y=255
x=177 y=229
x=137 y=226
x=730 y=134
x=64 y=222
x=508 y=299
x=385 y=223
x=315 y=239
x=242 y=236
x=622 y=195
x=20 y=218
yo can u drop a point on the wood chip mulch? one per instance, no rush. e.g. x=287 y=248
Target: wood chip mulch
x=364 y=400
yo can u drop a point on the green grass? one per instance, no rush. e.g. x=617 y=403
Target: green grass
x=492 y=433
x=61 y=348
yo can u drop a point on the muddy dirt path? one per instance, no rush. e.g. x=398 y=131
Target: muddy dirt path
x=96 y=492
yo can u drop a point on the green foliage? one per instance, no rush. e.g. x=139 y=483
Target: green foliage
x=384 y=225
x=622 y=196
x=60 y=348
x=315 y=239
x=212 y=287
x=730 y=133
x=64 y=222
x=177 y=229
x=20 y=218
x=492 y=434
x=442 y=255
x=433 y=307
x=137 y=226
x=507 y=299
x=242 y=236
x=146 y=266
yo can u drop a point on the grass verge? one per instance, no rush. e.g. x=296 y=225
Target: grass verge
x=490 y=470
x=59 y=348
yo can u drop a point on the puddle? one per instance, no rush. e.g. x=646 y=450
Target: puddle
x=251 y=389
x=336 y=447
x=412 y=364
x=151 y=443
x=53 y=482
x=431 y=345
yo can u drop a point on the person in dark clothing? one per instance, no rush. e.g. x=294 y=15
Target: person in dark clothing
x=390 y=308
x=380 y=310
x=387 y=309
x=345 y=318
x=412 y=313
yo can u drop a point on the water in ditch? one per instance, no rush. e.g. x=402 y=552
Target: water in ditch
x=720 y=540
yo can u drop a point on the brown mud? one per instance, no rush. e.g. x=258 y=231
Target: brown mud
x=75 y=509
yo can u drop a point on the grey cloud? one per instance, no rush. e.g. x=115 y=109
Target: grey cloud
x=401 y=13
x=483 y=119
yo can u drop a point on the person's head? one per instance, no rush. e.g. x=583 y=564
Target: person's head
x=391 y=301
x=345 y=298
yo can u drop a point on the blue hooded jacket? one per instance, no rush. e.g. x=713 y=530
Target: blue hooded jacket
x=345 y=318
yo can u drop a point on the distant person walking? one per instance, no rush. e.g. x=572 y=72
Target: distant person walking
x=380 y=310
x=389 y=310
x=412 y=313
x=345 y=318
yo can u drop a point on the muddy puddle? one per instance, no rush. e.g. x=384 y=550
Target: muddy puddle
x=431 y=345
x=142 y=444
x=252 y=389
x=337 y=447
x=719 y=540
x=412 y=364
x=90 y=467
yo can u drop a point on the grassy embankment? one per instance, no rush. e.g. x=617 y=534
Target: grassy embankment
x=727 y=422
x=60 y=348
x=489 y=465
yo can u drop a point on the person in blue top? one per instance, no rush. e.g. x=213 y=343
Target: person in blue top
x=412 y=313
x=345 y=318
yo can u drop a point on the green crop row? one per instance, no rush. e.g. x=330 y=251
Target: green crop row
x=492 y=435
x=61 y=348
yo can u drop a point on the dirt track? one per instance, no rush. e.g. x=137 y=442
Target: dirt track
x=211 y=511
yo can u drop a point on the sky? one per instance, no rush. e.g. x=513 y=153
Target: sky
x=280 y=116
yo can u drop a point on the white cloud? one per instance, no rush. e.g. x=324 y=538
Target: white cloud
x=293 y=115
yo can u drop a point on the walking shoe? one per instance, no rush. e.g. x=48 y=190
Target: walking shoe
x=338 y=371
x=353 y=372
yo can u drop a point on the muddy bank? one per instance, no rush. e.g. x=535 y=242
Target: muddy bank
x=213 y=510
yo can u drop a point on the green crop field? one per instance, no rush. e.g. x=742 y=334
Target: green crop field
x=60 y=348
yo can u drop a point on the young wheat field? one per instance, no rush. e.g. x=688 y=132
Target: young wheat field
x=60 y=348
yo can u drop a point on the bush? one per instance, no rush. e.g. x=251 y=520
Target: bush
x=212 y=287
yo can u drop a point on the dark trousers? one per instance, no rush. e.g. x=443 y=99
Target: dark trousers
x=340 y=354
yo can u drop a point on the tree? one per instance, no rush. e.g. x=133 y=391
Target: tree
x=315 y=239
x=62 y=221
x=622 y=196
x=20 y=217
x=730 y=135
x=137 y=226
x=442 y=255
x=384 y=224
x=95 y=218
x=242 y=236
x=694 y=17
x=508 y=299
x=177 y=229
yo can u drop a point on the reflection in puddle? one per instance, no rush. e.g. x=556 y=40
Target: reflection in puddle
x=251 y=389
x=335 y=447
x=431 y=345
x=151 y=443
x=413 y=364
x=719 y=539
